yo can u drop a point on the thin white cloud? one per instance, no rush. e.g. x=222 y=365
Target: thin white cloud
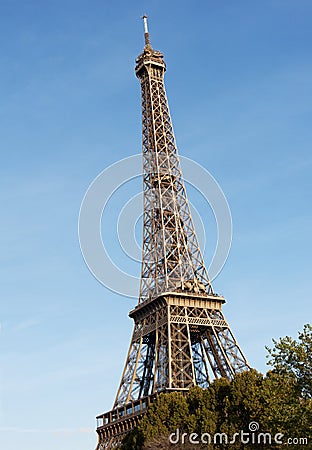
x=25 y=324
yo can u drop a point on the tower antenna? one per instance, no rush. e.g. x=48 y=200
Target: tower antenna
x=146 y=33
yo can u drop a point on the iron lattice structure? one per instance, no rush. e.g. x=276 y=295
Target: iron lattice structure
x=180 y=336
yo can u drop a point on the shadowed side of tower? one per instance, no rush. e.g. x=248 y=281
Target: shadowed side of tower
x=180 y=336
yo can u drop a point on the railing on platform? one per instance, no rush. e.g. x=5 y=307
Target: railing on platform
x=130 y=409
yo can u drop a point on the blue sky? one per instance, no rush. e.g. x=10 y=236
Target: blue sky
x=239 y=88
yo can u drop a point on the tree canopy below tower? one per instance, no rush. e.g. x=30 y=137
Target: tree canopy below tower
x=279 y=402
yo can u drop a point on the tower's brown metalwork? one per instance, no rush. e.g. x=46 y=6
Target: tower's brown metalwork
x=180 y=336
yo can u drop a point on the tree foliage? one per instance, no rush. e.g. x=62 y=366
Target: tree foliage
x=279 y=402
x=294 y=357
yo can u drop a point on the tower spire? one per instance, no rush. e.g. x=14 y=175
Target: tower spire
x=146 y=32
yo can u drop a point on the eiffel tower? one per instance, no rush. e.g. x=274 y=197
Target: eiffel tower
x=180 y=336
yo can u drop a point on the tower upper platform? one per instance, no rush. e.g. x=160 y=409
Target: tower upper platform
x=149 y=57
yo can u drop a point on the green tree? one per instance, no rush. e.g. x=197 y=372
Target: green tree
x=284 y=410
x=294 y=357
x=167 y=414
x=279 y=402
